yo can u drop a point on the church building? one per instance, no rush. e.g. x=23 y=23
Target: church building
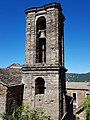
x=40 y=82
x=44 y=71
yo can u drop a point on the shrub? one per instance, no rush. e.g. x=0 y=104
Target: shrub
x=87 y=107
x=24 y=114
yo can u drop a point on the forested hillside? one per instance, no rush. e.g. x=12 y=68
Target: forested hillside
x=74 y=77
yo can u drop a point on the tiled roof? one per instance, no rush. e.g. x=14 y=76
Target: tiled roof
x=11 y=76
x=78 y=85
x=15 y=65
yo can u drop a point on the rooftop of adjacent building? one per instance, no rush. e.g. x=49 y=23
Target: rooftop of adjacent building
x=11 y=75
x=78 y=85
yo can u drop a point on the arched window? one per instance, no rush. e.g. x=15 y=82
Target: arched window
x=41 y=40
x=41 y=23
x=39 y=86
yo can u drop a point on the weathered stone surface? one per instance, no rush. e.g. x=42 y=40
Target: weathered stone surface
x=11 y=88
x=52 y=70
x=11 y=75
x=3 y=93
x=43 y=73
x=14 y=98
x=81 y=90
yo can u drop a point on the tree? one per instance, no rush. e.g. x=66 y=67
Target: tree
x=87 y=107
x=77 y=118
x=24 y=114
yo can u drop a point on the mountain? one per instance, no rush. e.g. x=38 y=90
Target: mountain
x=75 y=77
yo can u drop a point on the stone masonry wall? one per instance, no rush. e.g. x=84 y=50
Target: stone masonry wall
x=52 y=71
x=48 y=101
x=3 y=93
x=52 y=36
x=30 y=39
x=14 y=98
x=80 y=96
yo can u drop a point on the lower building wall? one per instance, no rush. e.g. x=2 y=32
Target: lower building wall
x=78 y=103
x=14 y=98
x=80 y=96
x=50 y=101
x=3 y=93
x=81 y=115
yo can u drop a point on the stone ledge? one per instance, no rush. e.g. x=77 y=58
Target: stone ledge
x=45 y=7
x=41 y=68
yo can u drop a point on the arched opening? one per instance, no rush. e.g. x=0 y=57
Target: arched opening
x=39 y=86
x=41 y=23
x=41 y=40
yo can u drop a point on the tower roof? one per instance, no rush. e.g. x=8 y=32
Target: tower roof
x=44 y=7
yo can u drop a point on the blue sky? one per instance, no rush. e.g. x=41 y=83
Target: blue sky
x=76 y=32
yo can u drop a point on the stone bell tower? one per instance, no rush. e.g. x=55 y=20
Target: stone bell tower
x=44 y=72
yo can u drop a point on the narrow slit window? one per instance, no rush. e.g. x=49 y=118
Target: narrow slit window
x=74 y=96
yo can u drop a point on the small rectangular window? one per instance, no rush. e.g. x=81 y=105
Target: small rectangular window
x=74 y=96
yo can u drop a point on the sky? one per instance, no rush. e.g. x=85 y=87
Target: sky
x=76 y=32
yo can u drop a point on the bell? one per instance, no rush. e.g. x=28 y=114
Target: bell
x=42 y=34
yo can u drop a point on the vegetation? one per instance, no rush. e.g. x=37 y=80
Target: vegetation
x=24 y=114
x=74 y=77
x=77 y=118
x=87 y=107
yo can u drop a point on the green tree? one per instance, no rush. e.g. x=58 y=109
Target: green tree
x=87 y=107
x=24 y=114
x=77 y=118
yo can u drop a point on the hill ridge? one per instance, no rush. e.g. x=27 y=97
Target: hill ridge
x=78 y=77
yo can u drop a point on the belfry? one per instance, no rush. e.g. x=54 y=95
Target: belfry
x=44 y=71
